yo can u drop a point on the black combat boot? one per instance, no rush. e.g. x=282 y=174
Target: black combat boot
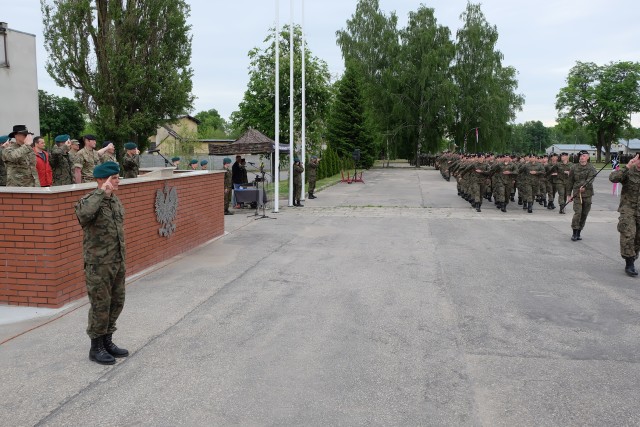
x=513 y=199
x=488 y=197
x=551 y=205
x=530 y=207
x=561 y=210
x=524 y=206
x=300 y=205
x=228 y=213
x=519 y=200
x=630 y=268
x=578 y=235
x=503 y=207
x=99 y=354
x=478 y=207
x=113 y=349
x=575 y=235
x=544 y=202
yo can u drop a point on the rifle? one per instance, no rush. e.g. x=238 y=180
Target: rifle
x=562 y=206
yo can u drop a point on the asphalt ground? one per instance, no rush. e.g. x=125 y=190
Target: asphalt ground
x=391 y=302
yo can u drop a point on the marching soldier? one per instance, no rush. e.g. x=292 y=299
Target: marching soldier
x=581 y=184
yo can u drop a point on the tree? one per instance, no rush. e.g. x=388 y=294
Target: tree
x=59 y=116
x=601 y=98
x=427 y=90
x=257 y=108
x=487 y=97
x=212 y=125
x=128 y=62
x=347 y=129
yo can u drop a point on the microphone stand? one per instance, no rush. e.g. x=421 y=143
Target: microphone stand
x=264 y=215
x=167 y=162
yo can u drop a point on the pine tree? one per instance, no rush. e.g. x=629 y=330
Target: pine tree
x=347 y=129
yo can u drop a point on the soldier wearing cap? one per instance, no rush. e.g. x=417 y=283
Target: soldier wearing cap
x=60 y=161
x=131 y=160
x=193 y=164
x=312 y=173
x=176 y=162
x=109 y=153
x=20 y=159
x=581 y=184
x=204 y=165
x=101 y=215
x=4 y=142
x=73 y=151
x=228 y=184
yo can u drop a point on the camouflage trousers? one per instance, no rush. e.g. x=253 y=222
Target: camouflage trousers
x=297 y=191
x=227 y=199
x=312 y=186
x=629 y=229
x=581 y=208
x=105 y=286
x=563 y=190
x=502 y=190
x=529 y=189
x=478 y=187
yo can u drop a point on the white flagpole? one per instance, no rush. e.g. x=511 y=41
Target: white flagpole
x=291 y=100
x=276 y=175
x=304 y=140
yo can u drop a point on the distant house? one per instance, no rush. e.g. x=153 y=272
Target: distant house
x=571 y=149
x=627 y=146
x=171 y=135
x=18 y=80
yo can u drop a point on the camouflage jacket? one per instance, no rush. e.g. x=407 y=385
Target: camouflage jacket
x=131 y=165
x=20 y=161
x=102 y=220
x=297 y=174
x=86 y=160
x=630 y=194
x=528 y=177
x=108 y=157
x=579 y=176
x=228 y=179
x=3 y=170
x=312 y=171
x=62 y=165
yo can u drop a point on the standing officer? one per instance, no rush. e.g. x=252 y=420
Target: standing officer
x=108 y=152
x=131 y=160
x=60 y=161
x=297 y=182
x=176 y=162
x=101 y=216
x=193 y=164
x=312 y=173
x=629 y=220
x=87 y=159
x=4 y=142
x=228 y=184
x=20 y=159
x=204 y=164
x=581 y=184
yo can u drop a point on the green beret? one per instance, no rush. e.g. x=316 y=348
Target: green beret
x=296 y=159
x=62 y=138
x=193 y=162
x=204 y=162
x=106 y=169
x=175 y=159
x=4 y=138
x=130 y=146
x=226 y=161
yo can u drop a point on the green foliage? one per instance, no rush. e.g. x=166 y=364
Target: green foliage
x=59 y=116
x=127 y=62
x=331 y=163
x=601 y=98
x=257 y=108
x=212 y=125
x=347 y=128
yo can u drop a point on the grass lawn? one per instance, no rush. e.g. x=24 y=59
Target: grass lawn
x=284 y=186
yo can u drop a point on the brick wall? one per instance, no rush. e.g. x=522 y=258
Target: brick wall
x=41 y=241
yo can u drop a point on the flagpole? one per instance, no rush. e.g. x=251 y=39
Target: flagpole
x=304 y=140
x=276 y=175
x=291 y=101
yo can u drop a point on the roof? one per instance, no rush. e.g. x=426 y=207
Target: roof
x=574 y=147
x=251 y=142
x=632 y=144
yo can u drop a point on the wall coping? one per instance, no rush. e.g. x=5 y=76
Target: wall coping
x=155 y=174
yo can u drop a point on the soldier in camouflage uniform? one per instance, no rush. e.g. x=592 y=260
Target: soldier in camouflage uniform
x=312 y=173
x=629 y=220
x=297 y=182
x=581 y=183
x=20 y=159
x=552 y=179
x=60 y=161
x=228 y=184
x=131 y=161
x=4 y=142
x=564 y=169
x=478 y=173
x=108 y=152
x=86 y=160
x=504 y=172
x=531 y=181
x=101 y=216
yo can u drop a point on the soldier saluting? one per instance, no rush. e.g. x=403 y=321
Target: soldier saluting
x=101 y=215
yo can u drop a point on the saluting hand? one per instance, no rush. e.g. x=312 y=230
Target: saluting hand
x=107 y=187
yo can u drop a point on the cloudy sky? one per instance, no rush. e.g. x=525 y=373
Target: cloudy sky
x=542 y=39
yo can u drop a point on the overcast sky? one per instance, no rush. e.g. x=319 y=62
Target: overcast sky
x=542 y=39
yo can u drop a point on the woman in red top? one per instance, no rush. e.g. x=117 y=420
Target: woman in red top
x=45 y=174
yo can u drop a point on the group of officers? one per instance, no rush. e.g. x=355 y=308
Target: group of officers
x=539 y=178
x=25 y=162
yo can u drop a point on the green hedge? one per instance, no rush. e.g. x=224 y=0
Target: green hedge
x=331 y=164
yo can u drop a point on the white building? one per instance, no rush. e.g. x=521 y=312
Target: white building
x=18 y=81
x=627 y=146
x=571 y=149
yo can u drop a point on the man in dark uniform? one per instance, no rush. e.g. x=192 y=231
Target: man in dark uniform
x=101 y=216
x=581 y=184
x=629 y=220
x=131 y=160
x=61 y=163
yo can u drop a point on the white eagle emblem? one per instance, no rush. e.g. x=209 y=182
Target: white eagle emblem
x=166 y=209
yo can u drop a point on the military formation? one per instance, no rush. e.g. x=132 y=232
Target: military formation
x=530 y=179
x=25 y=162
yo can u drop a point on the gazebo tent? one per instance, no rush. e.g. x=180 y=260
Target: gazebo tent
x=251 y=142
